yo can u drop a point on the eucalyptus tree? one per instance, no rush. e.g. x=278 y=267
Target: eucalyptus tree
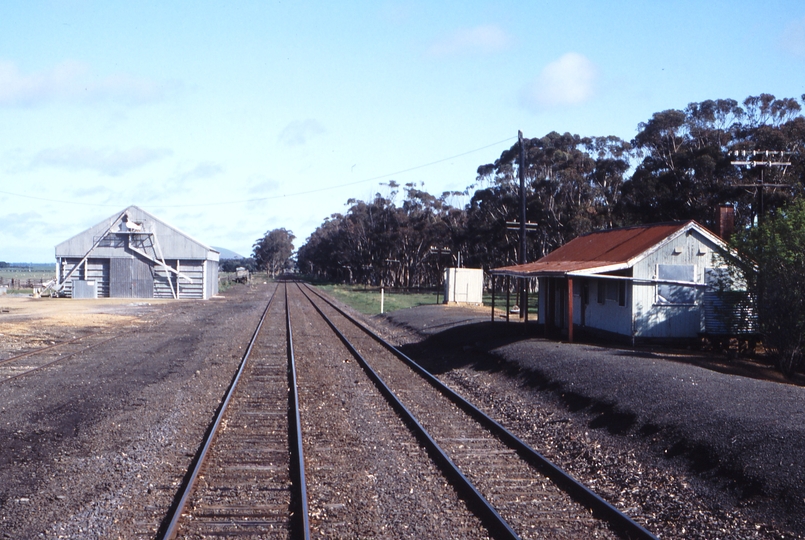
x=572 y=187
x=273 y=251
x=687 y=171
x=777 y=250
x=774 y=125
x=378 y=242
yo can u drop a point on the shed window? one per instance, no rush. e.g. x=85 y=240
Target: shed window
x=601 y=287
x=670 y=294
x=616 y=291
x=612 y=290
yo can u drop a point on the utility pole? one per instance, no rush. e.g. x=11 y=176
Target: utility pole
x=521 y=171
x=762 y=159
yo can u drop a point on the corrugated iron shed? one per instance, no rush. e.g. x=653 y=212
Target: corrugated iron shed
x=178 y=244
x=133 y=254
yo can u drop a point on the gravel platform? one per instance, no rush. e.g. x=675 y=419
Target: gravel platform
x=688 y=451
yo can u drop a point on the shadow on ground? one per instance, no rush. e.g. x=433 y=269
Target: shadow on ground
x=458 y=345
x=472 y=346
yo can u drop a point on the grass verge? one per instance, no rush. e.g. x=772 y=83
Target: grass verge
x=367 y=299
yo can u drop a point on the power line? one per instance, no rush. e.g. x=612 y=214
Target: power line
x=272 y=197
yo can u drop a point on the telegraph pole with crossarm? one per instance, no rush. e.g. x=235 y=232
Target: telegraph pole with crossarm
x=762 y=159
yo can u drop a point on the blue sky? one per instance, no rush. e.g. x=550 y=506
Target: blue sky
x=229 y=119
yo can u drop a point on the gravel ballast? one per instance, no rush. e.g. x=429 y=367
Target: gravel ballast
x=96 y=446
x=701 y=454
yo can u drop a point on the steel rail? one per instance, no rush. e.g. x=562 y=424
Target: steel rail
x=302 y=517
x=173 y=525
x=580 y=492
x=61 y=359
x=41 y=349
x=490 y=517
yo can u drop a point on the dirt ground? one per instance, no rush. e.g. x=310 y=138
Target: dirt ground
x=27 y=323
x=95 y=446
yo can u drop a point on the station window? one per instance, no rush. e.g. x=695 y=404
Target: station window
x=673 y=294
x=612 y=290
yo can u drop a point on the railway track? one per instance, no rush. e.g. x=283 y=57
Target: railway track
x=368 y=473
x=43 y=357
x=243 y=482
x=517 y=492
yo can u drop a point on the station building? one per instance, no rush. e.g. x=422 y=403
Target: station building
x=133 y=254
x=659 y=282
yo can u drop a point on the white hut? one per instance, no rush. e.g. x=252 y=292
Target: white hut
x=132 y=254
x=642 y=283
x=463 y=285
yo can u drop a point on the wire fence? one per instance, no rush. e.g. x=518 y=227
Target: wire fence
x=22 y=283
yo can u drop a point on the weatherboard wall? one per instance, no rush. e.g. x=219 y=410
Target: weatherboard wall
x=655 y=319
x=642 y=313
x=603 y=309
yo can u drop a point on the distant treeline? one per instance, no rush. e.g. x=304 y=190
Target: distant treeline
x=26 y=267
x=678 y=167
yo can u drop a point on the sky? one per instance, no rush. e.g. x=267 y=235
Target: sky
x=230 y=119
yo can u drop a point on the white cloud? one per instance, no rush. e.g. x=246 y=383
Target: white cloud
x=21 y=224
x=570 y=80
x=793 y=37
x=71 y=81
x=108 y=161
x=299 y=132
x=260 y=185
x=485 y=39
x=203 y=170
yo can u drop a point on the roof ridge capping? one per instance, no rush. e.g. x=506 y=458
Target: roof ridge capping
x=622 y=243
x=639 y=226
x=612 y=249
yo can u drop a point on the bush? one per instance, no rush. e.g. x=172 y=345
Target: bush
x=778 y=249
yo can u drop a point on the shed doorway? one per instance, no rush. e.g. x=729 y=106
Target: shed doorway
x=556 y=308
x=130 y=278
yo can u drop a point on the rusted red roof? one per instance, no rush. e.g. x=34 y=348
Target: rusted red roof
x=615 y=247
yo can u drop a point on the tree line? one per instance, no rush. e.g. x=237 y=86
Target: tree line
x=678 y=167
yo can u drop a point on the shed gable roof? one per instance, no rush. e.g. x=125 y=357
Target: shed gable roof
x=176 y=243
x=603 y=251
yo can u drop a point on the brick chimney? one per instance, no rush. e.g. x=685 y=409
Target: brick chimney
x=725 y=221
